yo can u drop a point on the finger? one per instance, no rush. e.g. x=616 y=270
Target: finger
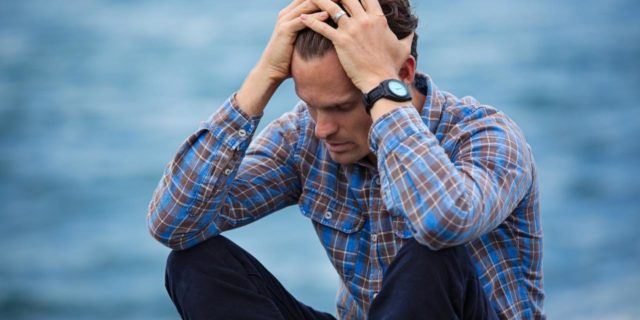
x=372 y=7
x=291 y=6
x=329 y=6
x=305 y=6
x=354 y=7
x=320 y=27
x=297 y=24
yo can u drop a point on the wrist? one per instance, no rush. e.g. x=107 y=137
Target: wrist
x=389 y=90
x=268 y=74
x=271 y=69
x=256 y=91
x=371 y=82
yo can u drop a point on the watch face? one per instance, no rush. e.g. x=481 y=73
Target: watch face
x=398 y=88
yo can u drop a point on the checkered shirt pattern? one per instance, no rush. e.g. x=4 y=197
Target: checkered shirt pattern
x=458 y=173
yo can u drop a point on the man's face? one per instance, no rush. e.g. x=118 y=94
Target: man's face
x=335 y=105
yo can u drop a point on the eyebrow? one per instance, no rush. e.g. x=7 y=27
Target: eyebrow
x=332 y=105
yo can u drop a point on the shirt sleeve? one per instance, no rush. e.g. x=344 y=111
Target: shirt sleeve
x=454 y=190
x=220 y=180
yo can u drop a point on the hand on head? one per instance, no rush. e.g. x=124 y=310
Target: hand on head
x=276 y=58
x=368 y=50
x=275 y=63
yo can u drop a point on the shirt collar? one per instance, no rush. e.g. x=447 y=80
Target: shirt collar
x=433 y=104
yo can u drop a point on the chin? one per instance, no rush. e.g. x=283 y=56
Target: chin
x=345 y=158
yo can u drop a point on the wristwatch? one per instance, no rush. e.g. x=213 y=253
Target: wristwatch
x=391 y=89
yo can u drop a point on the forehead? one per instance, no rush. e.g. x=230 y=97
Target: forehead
x=321 y=81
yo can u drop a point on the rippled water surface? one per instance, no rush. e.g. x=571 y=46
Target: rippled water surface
x=95 y=97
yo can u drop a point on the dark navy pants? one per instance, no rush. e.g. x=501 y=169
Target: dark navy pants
x=219 y=280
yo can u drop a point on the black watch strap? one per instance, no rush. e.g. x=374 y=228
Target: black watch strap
x=391 y=89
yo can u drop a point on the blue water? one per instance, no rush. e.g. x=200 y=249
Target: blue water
x=95 y=97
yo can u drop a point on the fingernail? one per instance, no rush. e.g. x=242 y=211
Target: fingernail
x=304 y=16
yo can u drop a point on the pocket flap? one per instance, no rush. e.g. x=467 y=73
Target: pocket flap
x=324 y=209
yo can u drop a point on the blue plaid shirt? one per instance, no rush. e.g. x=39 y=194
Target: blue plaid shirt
x=458 y=173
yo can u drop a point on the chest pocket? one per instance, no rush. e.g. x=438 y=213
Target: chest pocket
x=338 y=225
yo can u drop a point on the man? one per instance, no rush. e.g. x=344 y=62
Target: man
x=426 y=204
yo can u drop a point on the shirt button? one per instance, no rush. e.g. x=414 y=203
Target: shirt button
x=374 y=237
x=375 y=294
x=242 y=132
x=227 y=172
x=378 y=181
x=328 y=215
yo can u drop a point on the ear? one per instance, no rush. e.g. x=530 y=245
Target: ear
x=408 y=71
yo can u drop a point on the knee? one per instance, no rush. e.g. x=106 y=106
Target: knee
x=424 y=258
x=197 y=258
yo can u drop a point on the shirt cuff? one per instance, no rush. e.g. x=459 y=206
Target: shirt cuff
x=232 y=126
x=393 y=128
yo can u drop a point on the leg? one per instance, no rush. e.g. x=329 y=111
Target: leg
x=219 y=280
x=425 y=284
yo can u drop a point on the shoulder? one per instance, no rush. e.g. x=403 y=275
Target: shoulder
x=468 y=114
x=456 y=111
x=469 y=127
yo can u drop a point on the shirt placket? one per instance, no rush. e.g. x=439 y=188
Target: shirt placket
x=365 y=183
x=375 y=276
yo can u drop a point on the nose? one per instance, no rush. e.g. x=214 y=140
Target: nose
x=325 y=126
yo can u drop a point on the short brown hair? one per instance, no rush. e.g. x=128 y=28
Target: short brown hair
x=310 y=44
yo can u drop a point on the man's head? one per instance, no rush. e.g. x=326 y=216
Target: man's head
x=333 y=101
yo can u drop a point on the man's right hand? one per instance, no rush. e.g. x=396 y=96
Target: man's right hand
x=275 y=64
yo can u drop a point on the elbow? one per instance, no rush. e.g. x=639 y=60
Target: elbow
x=166 y=241
x=161 y=235
x=175 y=236
x=428 y=242
x=164 y=232
x=448 y=227
x=436 y=239
x=162 y=224
x=433 y=239
x=175 y=242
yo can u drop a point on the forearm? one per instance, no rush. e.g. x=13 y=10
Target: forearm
x=274 y=65
x=256 y=91
x=186 y=204
x=384 y=106
x=449 y=196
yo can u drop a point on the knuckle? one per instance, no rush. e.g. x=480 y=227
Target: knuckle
x=366 y=22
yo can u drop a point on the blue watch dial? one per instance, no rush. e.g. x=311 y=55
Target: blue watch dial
x=398 y=88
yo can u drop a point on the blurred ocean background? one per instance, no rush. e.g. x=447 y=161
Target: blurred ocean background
x=96 y=96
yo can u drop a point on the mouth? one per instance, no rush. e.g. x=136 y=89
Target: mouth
x=338 y=147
